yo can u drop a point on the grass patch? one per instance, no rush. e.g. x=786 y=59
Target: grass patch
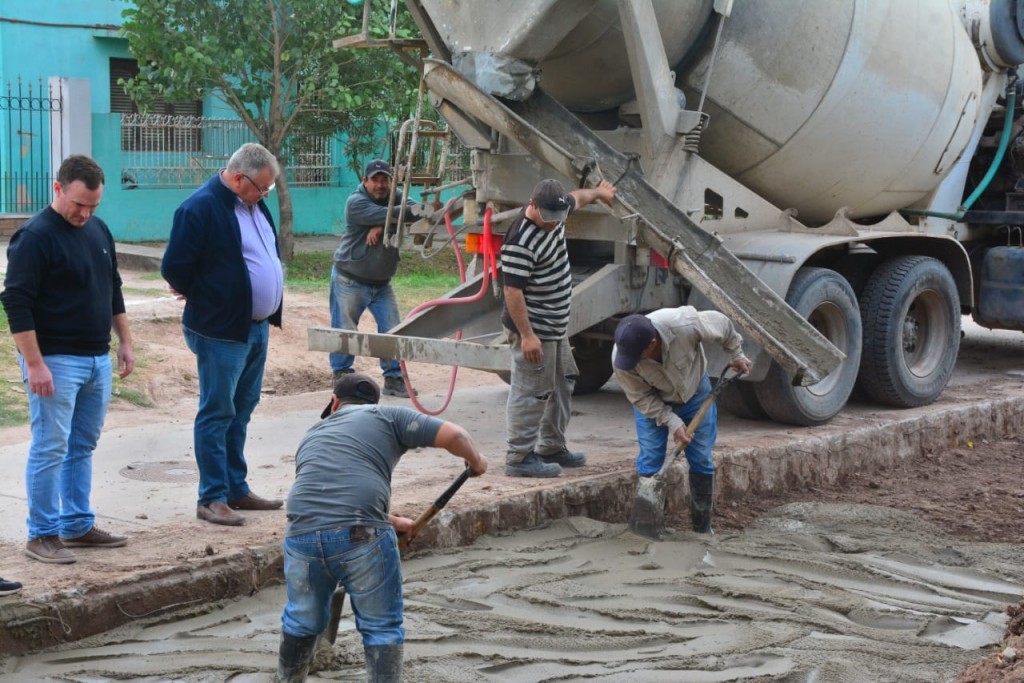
x=13 y=402
x=416 y=281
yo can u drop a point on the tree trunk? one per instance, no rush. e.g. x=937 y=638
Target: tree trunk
x=286 y=233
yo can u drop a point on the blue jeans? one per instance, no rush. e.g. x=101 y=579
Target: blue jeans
x=369 y=570
x=230 y=377
x=65 y=430
x=654 y=438
x=349 y=299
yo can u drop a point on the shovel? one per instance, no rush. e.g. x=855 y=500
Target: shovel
x=338 y=599
x=648 y=515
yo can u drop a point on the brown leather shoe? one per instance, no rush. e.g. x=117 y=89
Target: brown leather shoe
x=219 y=513
x=254 y=502
x=95 y=538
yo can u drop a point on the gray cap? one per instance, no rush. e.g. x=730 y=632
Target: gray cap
x=552 y=201
x=377 y=166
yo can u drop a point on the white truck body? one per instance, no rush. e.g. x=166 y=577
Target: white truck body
x=819 y=153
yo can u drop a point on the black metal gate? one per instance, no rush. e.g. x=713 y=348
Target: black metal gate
x=30 y=127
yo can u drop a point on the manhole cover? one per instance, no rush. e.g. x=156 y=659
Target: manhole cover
x=181 y=471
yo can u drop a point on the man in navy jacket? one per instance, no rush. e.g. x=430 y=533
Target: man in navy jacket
x=223 y=259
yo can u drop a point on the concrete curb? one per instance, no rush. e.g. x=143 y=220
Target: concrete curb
x=50 y=620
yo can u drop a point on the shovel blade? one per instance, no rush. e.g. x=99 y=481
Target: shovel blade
x=647 y=518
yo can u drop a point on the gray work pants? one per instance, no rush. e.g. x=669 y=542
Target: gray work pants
x=539 y=399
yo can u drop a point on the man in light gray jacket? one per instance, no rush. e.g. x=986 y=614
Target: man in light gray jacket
x=659 y=362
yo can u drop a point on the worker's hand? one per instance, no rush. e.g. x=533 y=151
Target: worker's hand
x=40 y=379
x=681 y=438
x=373 y=237
x=479 y=465
x=741 y=365
x=125 y=360
x=606 y=192
x=533 y=349
x=176 y=294
x=402 y=525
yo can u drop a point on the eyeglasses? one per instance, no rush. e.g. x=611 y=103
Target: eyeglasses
x=264 y=191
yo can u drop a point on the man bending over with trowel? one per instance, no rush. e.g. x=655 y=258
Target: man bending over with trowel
x=659 y=362
x=340 y=530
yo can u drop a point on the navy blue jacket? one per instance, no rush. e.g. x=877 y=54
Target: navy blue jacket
x=203 y=261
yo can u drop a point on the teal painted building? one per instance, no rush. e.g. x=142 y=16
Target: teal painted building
x=71 y=50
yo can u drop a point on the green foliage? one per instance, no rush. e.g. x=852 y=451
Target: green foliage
x=273 y=63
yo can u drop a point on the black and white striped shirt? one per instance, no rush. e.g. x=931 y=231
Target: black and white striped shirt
x=535 y=261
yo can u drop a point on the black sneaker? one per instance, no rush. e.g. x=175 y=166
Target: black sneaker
x=9 y=587
x=338 y=374
x=395 y=386
x=532 y=466
x=564 y=457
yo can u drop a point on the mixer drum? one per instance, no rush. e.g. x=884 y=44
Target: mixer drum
x=859 y=103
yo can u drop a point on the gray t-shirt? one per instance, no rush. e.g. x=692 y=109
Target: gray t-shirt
x=344 y=463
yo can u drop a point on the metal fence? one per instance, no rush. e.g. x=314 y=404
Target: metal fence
x=30 y=127
x=161 y=151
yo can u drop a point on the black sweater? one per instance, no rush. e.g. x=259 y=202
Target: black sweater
x=63 y=282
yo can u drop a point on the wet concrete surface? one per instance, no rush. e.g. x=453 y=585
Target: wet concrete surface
x=144 y=484
x=808 y=593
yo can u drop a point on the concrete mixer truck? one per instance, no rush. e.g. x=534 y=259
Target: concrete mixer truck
x=843 y=178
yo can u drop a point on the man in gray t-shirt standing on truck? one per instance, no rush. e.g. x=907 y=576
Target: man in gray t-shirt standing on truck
x=364 y=266
x=340 y=529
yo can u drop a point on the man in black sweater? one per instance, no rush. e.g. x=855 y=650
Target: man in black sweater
x=62 y=295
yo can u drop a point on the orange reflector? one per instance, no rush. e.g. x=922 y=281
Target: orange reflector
x=475 y=242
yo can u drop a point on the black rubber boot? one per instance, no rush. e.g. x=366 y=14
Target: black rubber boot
x=702 y=501
x=383 y=663
x=293 y=658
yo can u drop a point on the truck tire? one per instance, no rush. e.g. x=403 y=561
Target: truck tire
x=594 y=360
x=739 y=399
x=911 y=313
x=826 y=299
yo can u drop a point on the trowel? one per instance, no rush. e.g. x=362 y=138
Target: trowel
x=648 y=515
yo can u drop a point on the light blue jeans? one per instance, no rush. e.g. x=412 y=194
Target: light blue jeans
x=65 y=430
x=539 y=399
x=370 y=571
x=349 y=299
x=230 y=378
x=654 y=438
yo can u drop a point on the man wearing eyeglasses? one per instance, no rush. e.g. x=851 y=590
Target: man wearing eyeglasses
x=223 y=260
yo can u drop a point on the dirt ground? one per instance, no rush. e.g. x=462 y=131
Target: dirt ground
x=973 y=493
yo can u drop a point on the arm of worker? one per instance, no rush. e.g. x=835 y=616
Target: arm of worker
x=361 y=210
x=125 y=351
x=40 y=380
x=604 y=192
x=716 y=328
x=457 y=441
x=648 y=401
x=402 y=525
x=26 y=268
x=531 y=345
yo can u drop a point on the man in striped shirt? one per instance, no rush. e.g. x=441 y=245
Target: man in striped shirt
x=538 y=291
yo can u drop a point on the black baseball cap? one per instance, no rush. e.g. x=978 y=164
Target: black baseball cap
x=632 y=336
x=354 y=387
x=377 y=166
x=551 y=201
